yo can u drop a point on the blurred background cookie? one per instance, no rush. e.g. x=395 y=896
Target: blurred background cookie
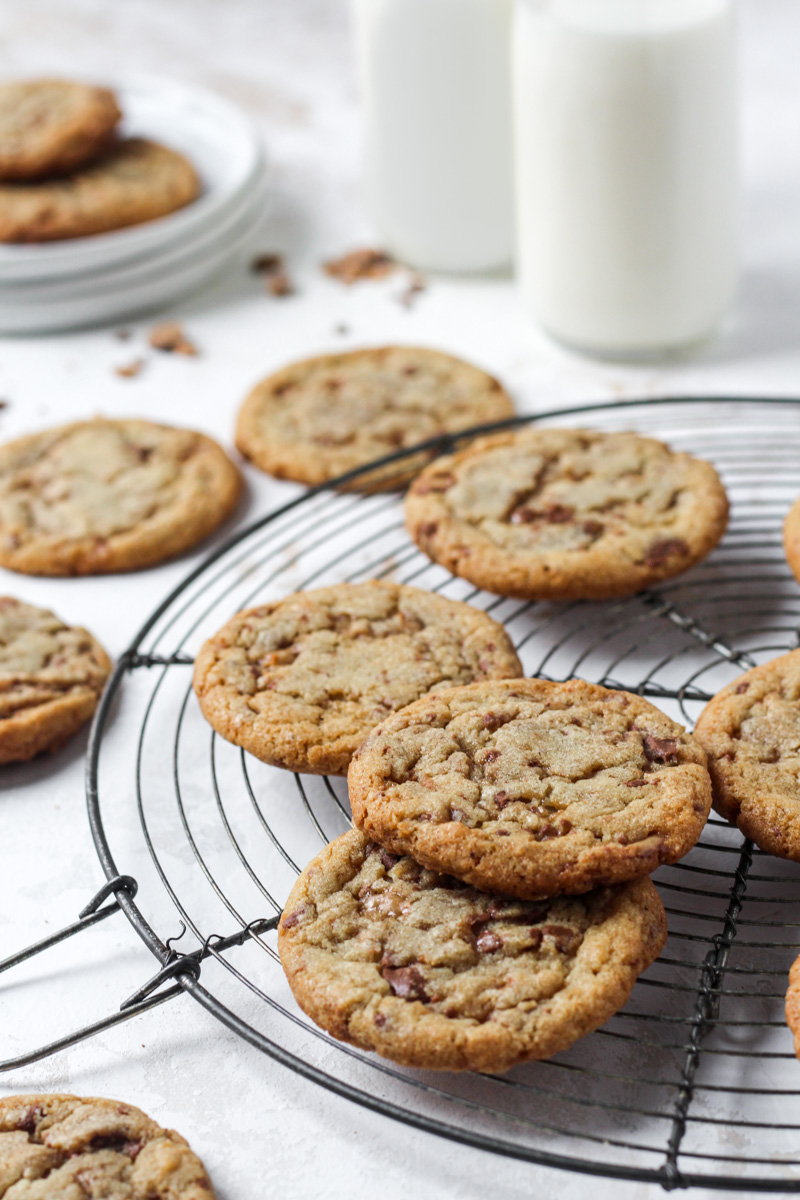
x=50 y=126
x=323 y=416
x=136 y=181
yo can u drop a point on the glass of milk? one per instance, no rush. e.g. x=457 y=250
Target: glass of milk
x=436 y=89
x=627 y=173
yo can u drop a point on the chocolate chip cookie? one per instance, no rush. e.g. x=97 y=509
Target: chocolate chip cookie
x=68 y=1147
x=101 y=496
x=136 y=181
x=751 y=734
x=301 y=682
x=567 y=514
x=324 y=416
x=51 y=677
x=532 y=788
x=49 y=126
x=791 y=538
x=391 y=957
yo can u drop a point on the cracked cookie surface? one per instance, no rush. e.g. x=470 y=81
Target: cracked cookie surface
x=103 y=496
x=318 y=418
x=532 y=788
x=751 y=734
x=432 y=973
x=51 y=677
x=566 y=514
x=136 y=181
x=301 y=682
x=60 y=1147
x=48 y=126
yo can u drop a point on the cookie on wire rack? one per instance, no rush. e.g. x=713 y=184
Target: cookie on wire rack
x=51 y=677
x=300 y=682
x=49 y=126
x=431 y=973
x=532 y=788
x=791 y=538
x=751 y=734
x=321 y=417
x=103 y=496
x=567 y=514
x=62 y=1147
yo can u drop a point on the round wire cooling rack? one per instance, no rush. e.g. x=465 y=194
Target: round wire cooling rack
x=694 y=1082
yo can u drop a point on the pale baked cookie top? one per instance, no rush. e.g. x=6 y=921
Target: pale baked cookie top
x=48 y=126
x=55 y=1147
x=109 y=495
x=532 y=788
x=751 y=734
x=567 y=514
x=51 y=677
x=426 y=971
x=135 y=181
x=318 y=418
x=300 y=682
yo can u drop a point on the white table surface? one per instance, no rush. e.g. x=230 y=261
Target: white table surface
x=261 y=1130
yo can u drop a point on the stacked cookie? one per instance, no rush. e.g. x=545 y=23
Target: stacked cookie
x=492 y=904
x=64 y=172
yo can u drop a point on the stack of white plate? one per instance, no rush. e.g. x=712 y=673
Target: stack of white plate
x=111 y=276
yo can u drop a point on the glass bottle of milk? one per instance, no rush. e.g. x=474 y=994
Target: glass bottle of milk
x=627 y=174
x=436 y=88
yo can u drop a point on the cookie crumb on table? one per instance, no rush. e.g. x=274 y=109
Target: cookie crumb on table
x=170 y=338
x=278 y=283
x=130 y=370
x=265 y=264
x=417 y=283
x=360 y=264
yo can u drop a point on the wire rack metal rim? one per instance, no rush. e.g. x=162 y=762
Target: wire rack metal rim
x=184 y=969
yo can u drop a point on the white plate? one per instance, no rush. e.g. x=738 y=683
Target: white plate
x=154 y=290
x=217 y=137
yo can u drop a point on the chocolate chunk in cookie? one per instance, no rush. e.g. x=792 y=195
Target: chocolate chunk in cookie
x=532 y=788
x=301 y=682
x=396 y=959
x=567 y=514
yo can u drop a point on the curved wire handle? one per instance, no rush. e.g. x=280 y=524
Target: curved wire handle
x=177 y=967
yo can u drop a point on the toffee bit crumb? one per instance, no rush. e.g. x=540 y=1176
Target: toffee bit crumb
x=4 y=404
x=123 y=335
x=360 y=264
x=130 y=370
x=278 y=283
x=417 y=284
x=171 y=339
x=265 y=264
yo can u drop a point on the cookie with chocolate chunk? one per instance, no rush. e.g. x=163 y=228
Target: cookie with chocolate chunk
x=110 y=495
x=430 y=973
x=532 y=788
x=324 y=416
x=301 y=682
x=567 y=514
x=51 y=677
x=72 y=1146
x=136 y=181
x=49 y=126
x=751 y=734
